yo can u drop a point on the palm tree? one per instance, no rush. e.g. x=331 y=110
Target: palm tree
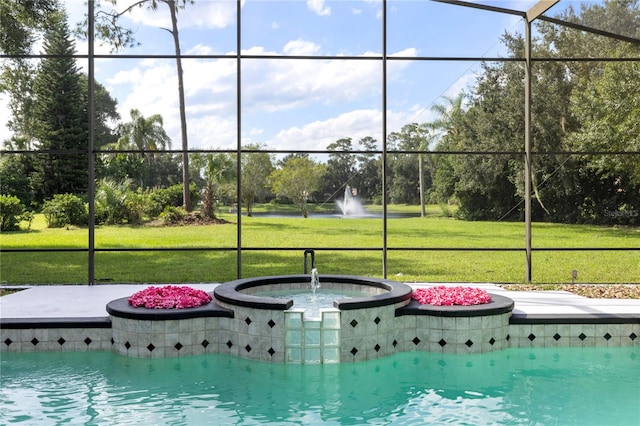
x=107 y=27
x=144 y=134
x=450 y=113
x=218 y=169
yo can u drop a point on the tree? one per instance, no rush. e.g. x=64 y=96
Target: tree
x=106 y=109
x=368 y=177
x=412 y=137
x=577 y=105
x=60 y=117
x=16 y=170
x=255 y=170
x=609 y=110
x=297 y=179
x=448 y=125
x=108 y=28
x=143 y=134
x=341 y=169
x=20 y=24
x=218 y=169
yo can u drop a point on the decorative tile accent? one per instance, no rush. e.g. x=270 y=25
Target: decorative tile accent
x=292 y=339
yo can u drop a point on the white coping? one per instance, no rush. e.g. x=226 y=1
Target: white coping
x=84 y=301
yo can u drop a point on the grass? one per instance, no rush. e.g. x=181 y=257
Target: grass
x=274 y=245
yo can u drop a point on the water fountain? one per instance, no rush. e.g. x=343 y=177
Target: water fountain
x=350 y=205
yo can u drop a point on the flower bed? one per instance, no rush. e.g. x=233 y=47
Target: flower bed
x=448 y=296
x=169 y=297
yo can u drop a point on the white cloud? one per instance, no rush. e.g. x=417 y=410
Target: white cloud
x=152 y=88
x=319 y=134
x=356 y=124
x=318 y=7
x=206 y=14
x=301 y=48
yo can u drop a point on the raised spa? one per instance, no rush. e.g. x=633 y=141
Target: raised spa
x=366 y=318
x=269 y=322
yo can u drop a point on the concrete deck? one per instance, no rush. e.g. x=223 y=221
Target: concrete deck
x=82 y=301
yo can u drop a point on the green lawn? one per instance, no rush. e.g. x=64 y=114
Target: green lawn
x=274 y=246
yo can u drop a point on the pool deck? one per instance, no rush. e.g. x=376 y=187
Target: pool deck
x=89 y=302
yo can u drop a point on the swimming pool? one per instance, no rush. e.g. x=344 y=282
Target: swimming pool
x=584 y=386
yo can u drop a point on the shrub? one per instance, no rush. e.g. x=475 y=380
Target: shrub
x=28 y=217
x=161 y=198
x=173 y=215
x=115 y=203
x=65 y=210
x=10 y=212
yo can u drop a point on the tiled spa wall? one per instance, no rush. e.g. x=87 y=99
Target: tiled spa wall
x=574 y=335
x=475 y=334
x=167 y=339
x=285 y=336
x=55 y=339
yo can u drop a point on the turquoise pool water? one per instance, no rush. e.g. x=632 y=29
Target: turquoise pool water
x=568 y=386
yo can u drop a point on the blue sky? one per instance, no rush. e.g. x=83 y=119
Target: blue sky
x=299 y=104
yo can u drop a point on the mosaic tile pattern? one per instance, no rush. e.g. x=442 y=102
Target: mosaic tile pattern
x=55 y=340
x=341 y=336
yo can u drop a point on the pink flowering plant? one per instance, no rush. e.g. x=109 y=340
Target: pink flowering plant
x=446 y=296
x=169 y=297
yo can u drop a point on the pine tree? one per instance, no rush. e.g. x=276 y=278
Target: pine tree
x=60 y=116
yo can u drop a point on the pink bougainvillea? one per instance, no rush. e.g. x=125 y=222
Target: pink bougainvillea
x=446 y=296
x=169 y=297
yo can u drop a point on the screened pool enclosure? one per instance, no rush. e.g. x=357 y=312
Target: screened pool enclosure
x=489 y=141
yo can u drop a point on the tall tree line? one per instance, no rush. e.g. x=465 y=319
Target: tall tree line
x=578 y=106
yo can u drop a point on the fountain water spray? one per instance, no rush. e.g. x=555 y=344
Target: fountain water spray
x=315 y=281
x=350 y=205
